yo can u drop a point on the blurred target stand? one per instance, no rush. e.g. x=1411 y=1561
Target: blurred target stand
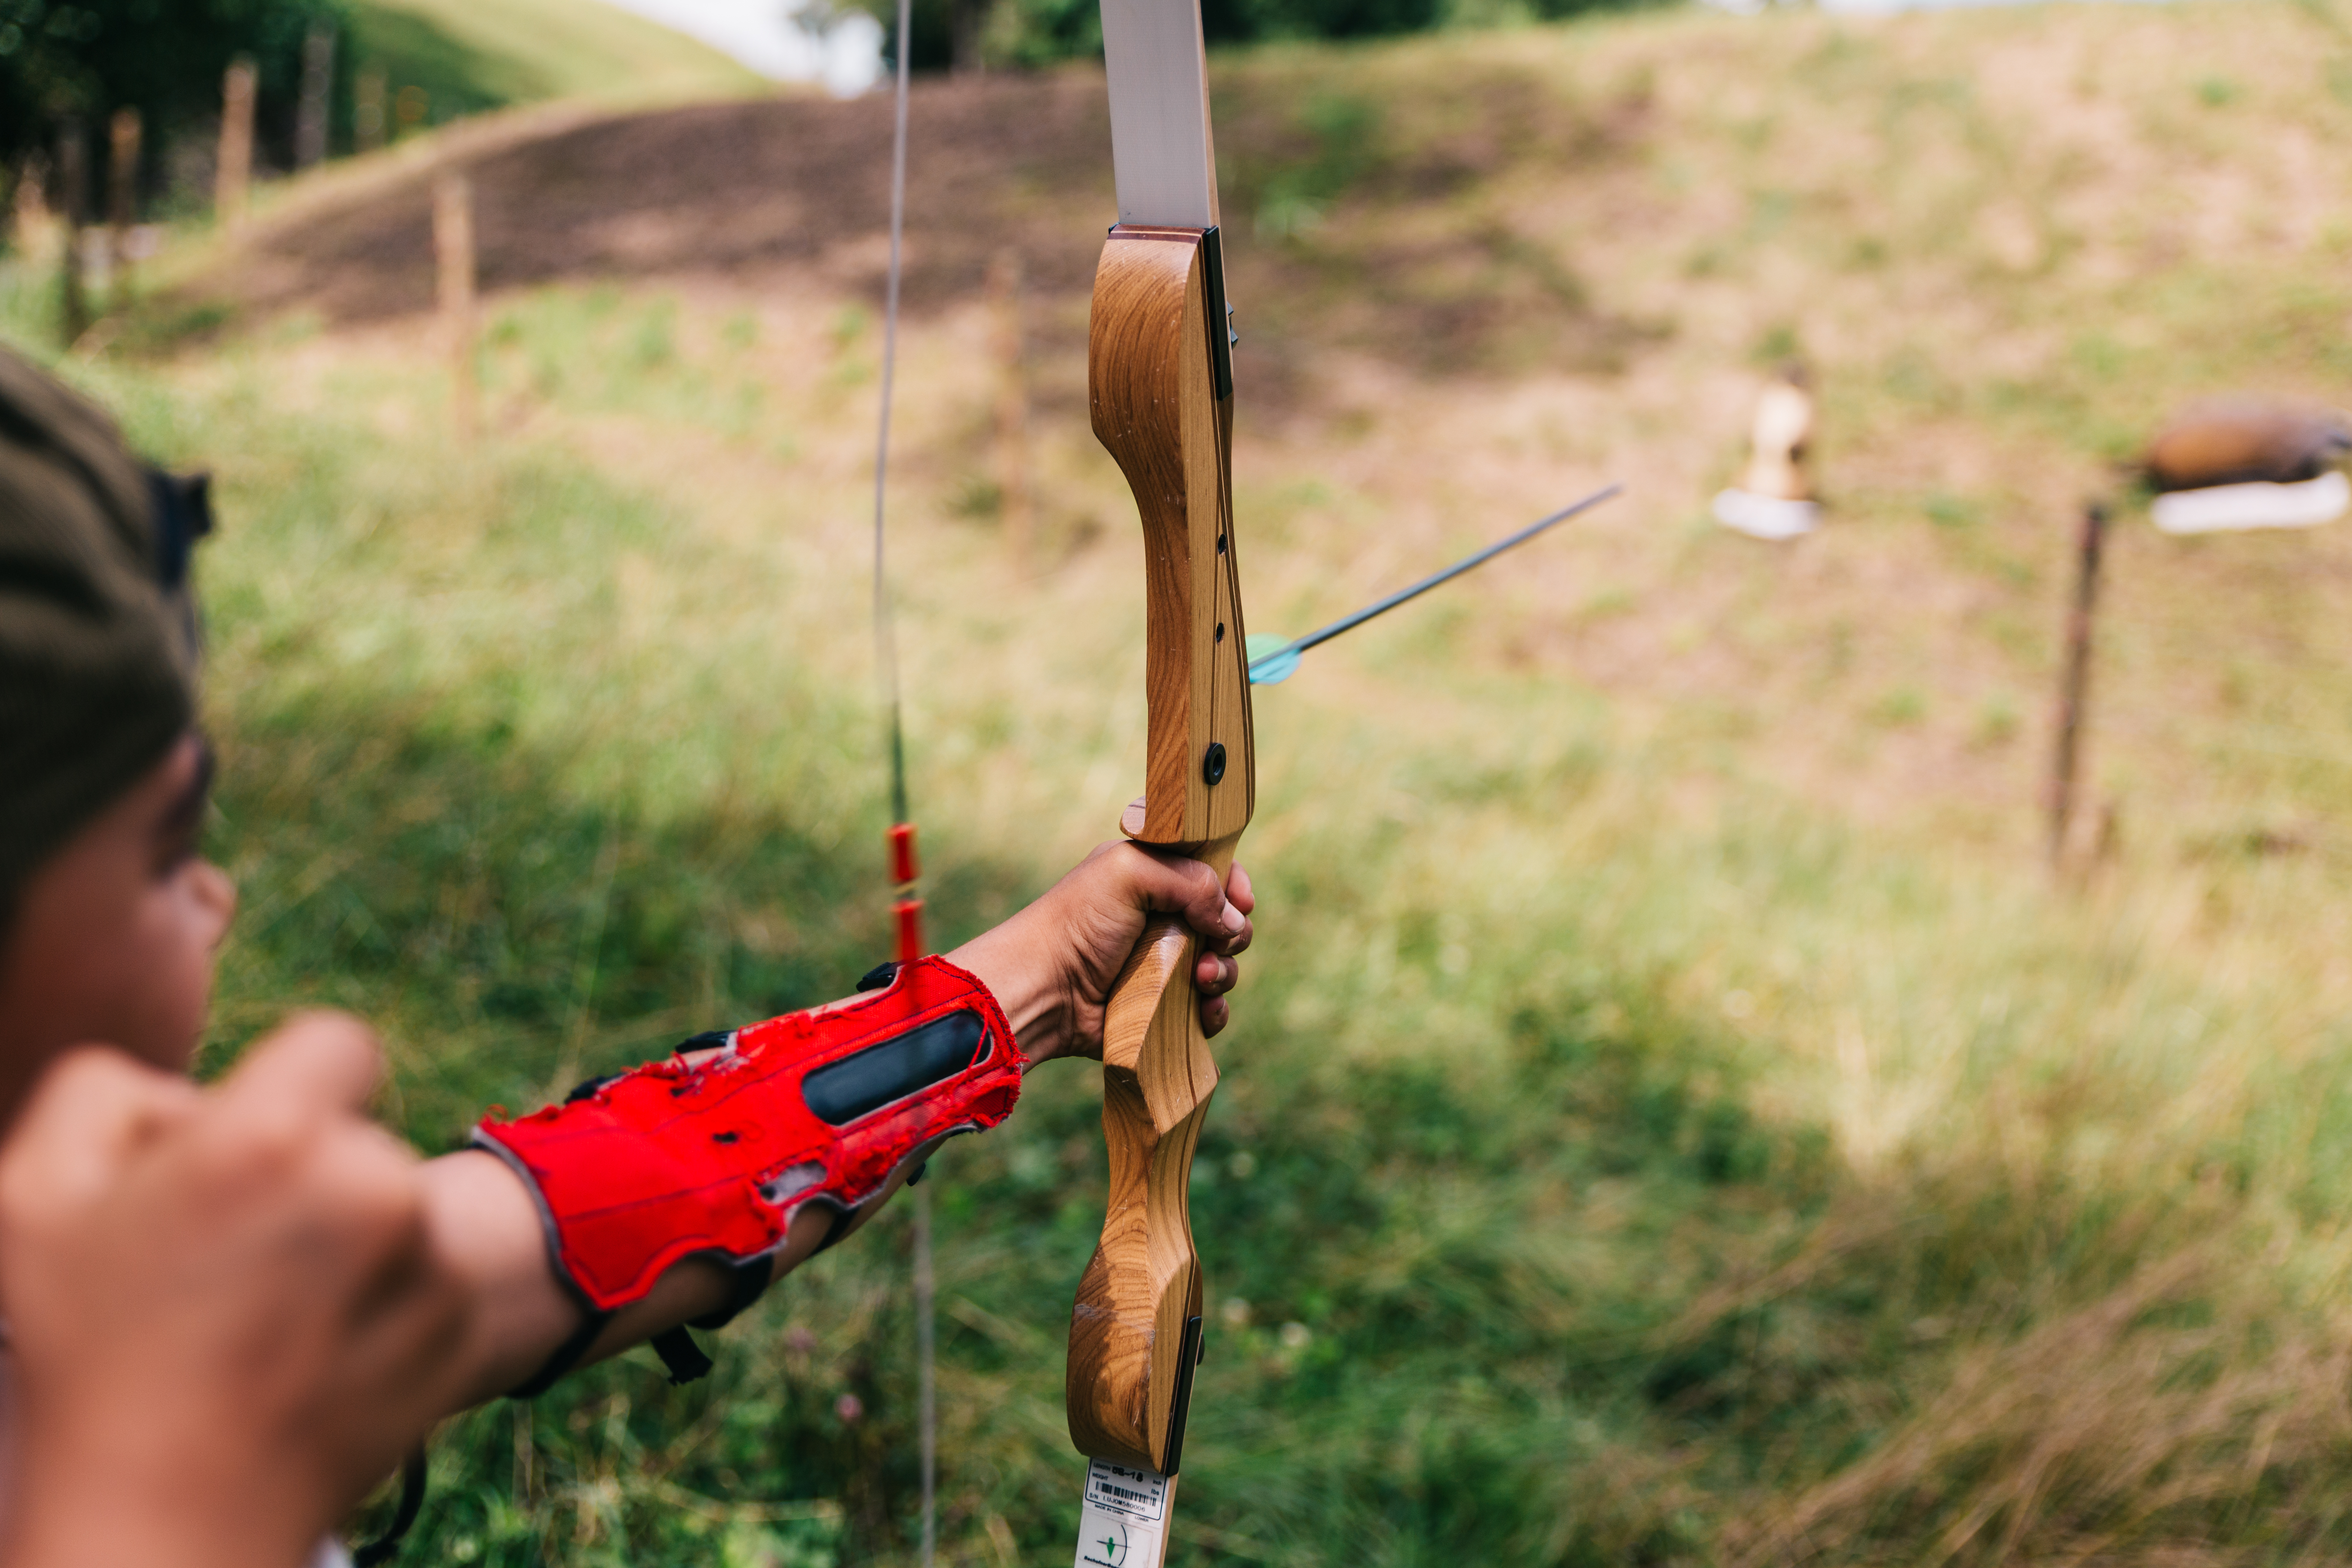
x=1774 y=498
x=2224 y=465
x=2231 y=464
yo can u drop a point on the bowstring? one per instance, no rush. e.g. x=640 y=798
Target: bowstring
x=886 y=642
x=885 y=660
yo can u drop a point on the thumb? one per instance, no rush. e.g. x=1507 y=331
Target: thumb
x=313 y=1063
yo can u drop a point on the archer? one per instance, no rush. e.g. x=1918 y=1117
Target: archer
x=229 y=1311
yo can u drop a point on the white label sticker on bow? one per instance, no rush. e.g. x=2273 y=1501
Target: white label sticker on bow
x=1119 y=1524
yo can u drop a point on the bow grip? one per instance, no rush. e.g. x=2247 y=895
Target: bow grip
x=1135 y=1329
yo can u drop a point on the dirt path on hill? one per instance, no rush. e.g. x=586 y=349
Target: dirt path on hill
x=770 y=192
x=722 y=189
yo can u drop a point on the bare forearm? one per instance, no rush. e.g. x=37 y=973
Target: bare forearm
x=488 y=1229
x=1032 y=989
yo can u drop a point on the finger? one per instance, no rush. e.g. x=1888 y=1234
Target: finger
x=1214 y=1014
x=312 y=1064
x=1238 y=891
x=1214 y=974
x=90 y=1109
x=1190 y=888
x=1236 y=944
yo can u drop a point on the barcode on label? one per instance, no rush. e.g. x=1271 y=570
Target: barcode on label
x=1139 y=1493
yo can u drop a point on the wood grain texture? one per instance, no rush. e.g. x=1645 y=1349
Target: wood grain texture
x=1149 y=381
x=1152 y=389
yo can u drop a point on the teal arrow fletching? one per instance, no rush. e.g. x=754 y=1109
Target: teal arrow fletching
x=1272 y=659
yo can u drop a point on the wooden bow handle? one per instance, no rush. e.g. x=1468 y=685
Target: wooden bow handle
x=1160 y=380
x=1135 y=1332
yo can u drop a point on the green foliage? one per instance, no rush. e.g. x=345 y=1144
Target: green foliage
x=412 y=50
x=163 y=57
x=1031 y=33
x=1251 y=21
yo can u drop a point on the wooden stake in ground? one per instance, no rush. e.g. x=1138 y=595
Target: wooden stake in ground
x=233 y=178
x=35 y=224
x=2075 y=679
x=367 y=111
x=73 y=198
x=122 y=202
x=311 y=110
x=966 y=20
x=1011 y=406
x=453 y=245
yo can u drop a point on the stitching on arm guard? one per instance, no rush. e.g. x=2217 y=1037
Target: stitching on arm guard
x=713 y=1159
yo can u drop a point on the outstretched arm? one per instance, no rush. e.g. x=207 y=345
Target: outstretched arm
x=1050 y=967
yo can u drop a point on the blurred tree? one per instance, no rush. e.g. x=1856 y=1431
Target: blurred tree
x=1247 y=21
x=164 y=58
x=960 y=34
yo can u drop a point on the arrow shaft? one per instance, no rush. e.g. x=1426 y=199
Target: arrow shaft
x=1468 y=562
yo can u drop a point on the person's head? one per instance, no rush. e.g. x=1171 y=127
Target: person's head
x=108 y=916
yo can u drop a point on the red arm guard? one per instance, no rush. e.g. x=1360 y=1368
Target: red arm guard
x=673 y=1161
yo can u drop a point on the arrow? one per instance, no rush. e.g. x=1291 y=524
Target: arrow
x=1273 y=660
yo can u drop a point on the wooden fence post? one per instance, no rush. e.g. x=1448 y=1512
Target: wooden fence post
x=411 y=106
x=453 y=247
x=317 y=85
x=73 y=197
x=367 y=111
x=233 y=180
x=2075 y=679
x=33 y=223
x=123 y=203
x=1012 y=406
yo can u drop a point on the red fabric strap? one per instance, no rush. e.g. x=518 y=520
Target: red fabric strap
x=715 y=1157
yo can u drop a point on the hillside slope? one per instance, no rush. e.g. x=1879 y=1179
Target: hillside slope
x=472 y=55
x=1480 y=271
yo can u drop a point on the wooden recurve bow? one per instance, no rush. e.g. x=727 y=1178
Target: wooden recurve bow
x=1159 y=379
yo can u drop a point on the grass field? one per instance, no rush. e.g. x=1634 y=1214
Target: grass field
x=1672 y=1116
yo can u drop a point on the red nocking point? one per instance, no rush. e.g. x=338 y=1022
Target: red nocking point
x=902 y=853
x=911 y=928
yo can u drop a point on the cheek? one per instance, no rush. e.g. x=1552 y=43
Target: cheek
x=178 y=927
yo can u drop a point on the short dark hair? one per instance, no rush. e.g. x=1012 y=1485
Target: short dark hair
x=97 y=662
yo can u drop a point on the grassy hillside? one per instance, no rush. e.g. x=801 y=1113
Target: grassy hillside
x=488 y=54
x=1672 y=1116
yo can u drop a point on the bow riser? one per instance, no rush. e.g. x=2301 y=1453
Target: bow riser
x=1160 y=391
